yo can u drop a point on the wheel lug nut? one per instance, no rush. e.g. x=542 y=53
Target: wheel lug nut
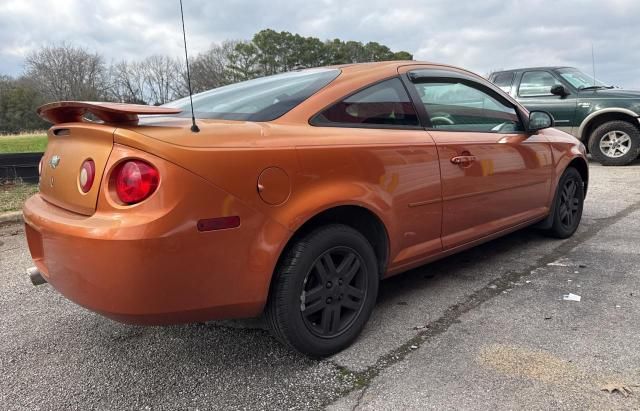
x=329 y=284
x=329 y=300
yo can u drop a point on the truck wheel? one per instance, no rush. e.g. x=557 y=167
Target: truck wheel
x=324 y=291
x=615 y=143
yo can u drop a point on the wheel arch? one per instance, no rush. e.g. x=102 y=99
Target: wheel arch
x=580 y=164
x=358 y=217
x=598 y=118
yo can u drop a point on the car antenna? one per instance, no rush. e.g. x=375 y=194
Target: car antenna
x=194 y=126
x=593 y=63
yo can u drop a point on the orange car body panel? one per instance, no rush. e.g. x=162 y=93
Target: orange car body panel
x=148 y=263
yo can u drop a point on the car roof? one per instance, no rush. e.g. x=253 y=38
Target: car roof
x=355 y=76
x=360 y=69
x=377 y=65
x=531 y=69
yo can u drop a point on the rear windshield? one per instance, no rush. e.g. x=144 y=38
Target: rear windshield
x=261 y=99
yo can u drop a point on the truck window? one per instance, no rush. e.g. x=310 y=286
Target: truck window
x=504 y=81
x=537 y=84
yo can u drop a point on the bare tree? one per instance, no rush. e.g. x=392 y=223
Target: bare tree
x=163 y=79
x=209 y=69
x=66 y=72
x=127 y=82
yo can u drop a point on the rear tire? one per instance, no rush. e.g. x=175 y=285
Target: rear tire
x=324 y=291
x=567 y=204
x=615 y=143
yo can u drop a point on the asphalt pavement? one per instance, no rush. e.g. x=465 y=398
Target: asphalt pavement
x=487 y=328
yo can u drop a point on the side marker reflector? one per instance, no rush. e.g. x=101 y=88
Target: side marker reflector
x=219 y=223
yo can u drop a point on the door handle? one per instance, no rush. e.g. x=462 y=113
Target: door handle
x=463 y=160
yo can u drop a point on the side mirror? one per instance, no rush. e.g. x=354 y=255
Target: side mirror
x=539 y=120
x=559 y=90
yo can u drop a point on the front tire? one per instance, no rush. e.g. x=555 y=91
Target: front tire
x=324 y=291
x=568 y=204
x=615 y=143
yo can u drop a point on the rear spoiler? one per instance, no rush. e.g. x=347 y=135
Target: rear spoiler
x=73 y=111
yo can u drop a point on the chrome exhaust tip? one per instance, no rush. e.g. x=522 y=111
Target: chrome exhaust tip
x=35 y=276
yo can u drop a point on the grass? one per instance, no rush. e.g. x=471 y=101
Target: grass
x=13 y=195
x=34 y=142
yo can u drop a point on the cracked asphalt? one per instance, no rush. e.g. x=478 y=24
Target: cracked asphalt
x=487 y=328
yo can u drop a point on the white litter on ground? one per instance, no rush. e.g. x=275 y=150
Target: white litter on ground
x=571 y=297
x=561 y=263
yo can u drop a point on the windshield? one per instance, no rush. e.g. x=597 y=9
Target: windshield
x=261 y=99
x=580 y=80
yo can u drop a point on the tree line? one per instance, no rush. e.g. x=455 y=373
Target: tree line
x=69 y=72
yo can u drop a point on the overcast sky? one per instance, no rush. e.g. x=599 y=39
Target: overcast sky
x=481 y=35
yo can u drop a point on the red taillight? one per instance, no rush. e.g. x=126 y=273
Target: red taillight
x=87 y=175
x=135 y=180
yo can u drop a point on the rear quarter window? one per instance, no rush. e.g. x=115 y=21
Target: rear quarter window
x=385 y=104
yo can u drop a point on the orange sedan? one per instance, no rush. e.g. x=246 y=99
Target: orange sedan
x=297 y=195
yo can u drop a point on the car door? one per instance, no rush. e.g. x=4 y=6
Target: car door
x=534 y=92
x=373 y=138
x=494 y=175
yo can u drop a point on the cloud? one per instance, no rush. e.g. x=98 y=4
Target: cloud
x=481 y=36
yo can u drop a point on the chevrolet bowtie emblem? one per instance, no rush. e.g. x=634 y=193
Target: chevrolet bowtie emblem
x=54 y=161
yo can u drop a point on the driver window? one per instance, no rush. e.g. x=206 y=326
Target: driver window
x=456 y=106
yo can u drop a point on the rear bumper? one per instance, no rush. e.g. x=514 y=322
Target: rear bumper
x=144 y=280
x=151 y=265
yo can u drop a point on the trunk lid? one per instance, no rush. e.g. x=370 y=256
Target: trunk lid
x=67 y=148
x=213 y=133
x=73 y=140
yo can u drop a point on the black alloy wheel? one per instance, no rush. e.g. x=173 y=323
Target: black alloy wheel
x=334 y=293
x=323 y=291
x=569 y=208
x=568 y=205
